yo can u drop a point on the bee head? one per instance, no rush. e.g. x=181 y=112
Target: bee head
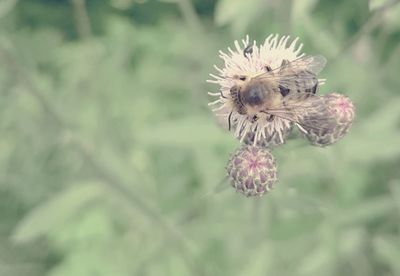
x=237 y=99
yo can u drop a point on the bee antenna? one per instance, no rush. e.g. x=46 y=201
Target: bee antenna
x=229 y=120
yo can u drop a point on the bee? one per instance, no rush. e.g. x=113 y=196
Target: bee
x=279 y=92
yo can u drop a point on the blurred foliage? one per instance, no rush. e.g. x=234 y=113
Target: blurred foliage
x=112 y=164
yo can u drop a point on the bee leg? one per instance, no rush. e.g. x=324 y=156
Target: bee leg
x=248 y=50
x=222 y=95
x=234 y=91
x=270 y=117
x=229 y=121
x=314 y=89
x=254 y=119
x=284 y=62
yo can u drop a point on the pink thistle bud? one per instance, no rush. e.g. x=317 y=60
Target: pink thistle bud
x=252 y=170
x=331 y=121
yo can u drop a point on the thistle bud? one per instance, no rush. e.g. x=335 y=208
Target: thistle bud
x=331 y=121
x=252 y=170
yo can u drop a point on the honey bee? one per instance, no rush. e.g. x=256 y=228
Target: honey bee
x=279 y=92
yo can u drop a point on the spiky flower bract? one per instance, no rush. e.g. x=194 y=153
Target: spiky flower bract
x=269 y=54
x=331 y=121
x=252 y=170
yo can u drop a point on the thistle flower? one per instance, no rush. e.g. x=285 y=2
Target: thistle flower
x=269 y=141
x=252 y=170
x=240 y=62
x=330 y=121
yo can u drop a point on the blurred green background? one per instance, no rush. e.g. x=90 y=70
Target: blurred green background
x=110 y=159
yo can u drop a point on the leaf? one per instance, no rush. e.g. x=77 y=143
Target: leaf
x=303 y=8
x=377 y=4
x=373 y=138
x=191 y=131
x=388 y=250
x=227 y=11
x=55 y=212
x=6 y=6
x=259 y=262
x=237 y=13
x=92 y=261
x=391 y=18
x=352 y=241
x=395 y=192
x=294 y=227
x=317 y=262
x=366 y=211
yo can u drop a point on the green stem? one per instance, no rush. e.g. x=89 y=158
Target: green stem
x=82 y=20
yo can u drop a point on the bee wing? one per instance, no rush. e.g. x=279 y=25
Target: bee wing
x=306 y=110
x=314 y=64
x=302 y=105
x=299 y=74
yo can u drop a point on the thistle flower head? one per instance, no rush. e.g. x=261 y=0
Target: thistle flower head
x=241 y=62
x=331 y=121
x=252 y=170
